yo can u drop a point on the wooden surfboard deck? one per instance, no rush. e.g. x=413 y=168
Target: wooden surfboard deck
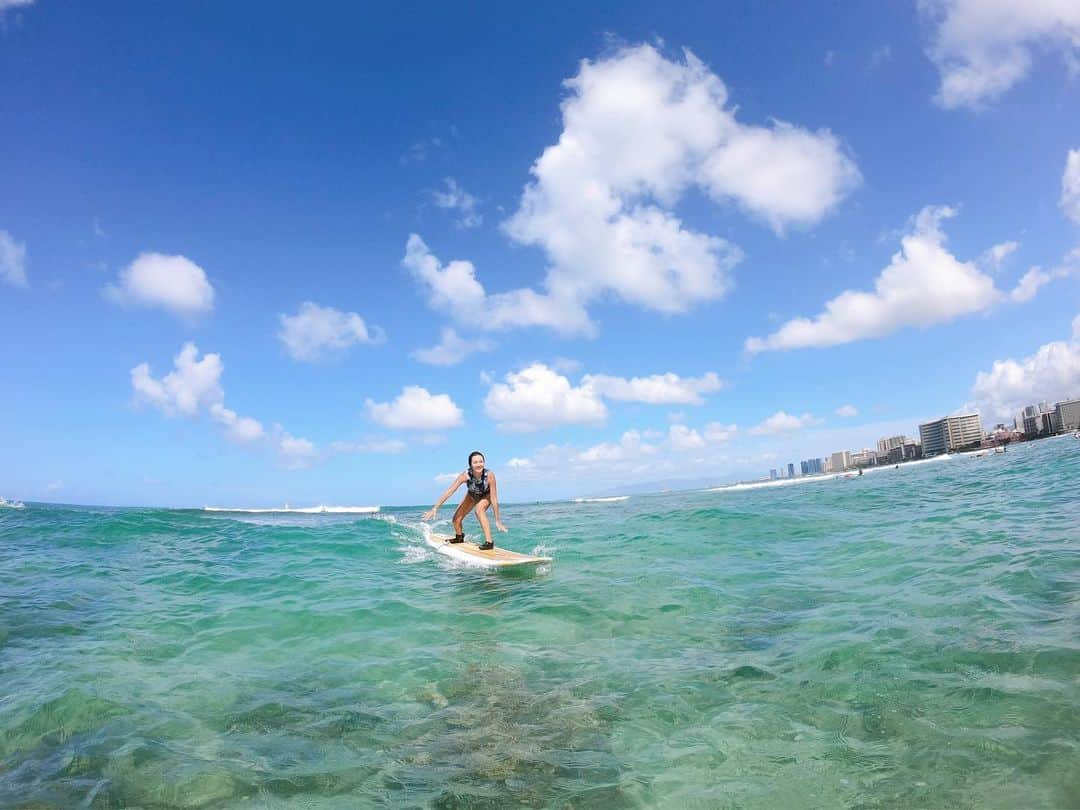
x=471 y=553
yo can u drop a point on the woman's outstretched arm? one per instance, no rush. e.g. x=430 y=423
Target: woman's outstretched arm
x=430 y=514
x=495 y=502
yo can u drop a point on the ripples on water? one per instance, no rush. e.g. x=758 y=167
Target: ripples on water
x=904 y=639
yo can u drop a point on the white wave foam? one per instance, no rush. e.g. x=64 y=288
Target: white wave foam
x=613 y=499
x=415 y=554
x=6 y=504
x=305 y=510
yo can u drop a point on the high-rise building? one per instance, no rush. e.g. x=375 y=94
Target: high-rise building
x=884 y=445
x=840 y=461
x=790 y=470
x=950 y=433
x=1068 y=414
x=772 y=474
x=864 y=458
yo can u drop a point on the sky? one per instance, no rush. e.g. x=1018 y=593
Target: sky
x=251 y=256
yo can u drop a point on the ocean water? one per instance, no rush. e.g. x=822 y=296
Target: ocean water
x=910 y=638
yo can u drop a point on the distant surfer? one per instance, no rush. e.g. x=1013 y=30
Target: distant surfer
x=481 y=493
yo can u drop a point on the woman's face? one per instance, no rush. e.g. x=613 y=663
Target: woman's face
x=477 y=465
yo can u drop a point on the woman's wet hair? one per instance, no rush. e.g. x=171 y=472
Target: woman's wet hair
x=475 y=453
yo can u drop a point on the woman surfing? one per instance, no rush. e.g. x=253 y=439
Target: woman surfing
x=481 y=493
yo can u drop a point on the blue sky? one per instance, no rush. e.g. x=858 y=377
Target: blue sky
x=688 y=242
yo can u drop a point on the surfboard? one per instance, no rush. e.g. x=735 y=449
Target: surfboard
x=470 y=553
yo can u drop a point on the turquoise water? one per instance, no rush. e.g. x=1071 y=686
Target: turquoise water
x=908 y=638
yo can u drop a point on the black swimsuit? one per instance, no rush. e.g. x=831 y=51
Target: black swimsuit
x=478 y=488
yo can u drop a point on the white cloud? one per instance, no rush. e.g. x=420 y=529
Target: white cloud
x=8 y=4
x=630 y=446
x=1029 y=284
x=538 y=397
x=983 y=47
x=416 y=409
x=455 y=198
x=658 y=389
x=1070 y=186
x=238 y=429
x=173 y=283
x=717 y=432
x=54 y=486
x=924 y=284
x=190 y=386
x=293 y=453
x=12 y=260
x=454 y=289
x=315 y=332
x=847 y=411
x=446 y=478
x=1036 y=277
x=782 y=422
x=993 y=258
x=682 y=438
x=566 y=365
x=639 y=131
x=1052 y=373
x=631 y=454
x=451 y=349
x=194 y=388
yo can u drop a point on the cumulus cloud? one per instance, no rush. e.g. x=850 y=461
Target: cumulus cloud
x=172 y=283
x=451 y=349
x=538 y=397
x=293 y=453
x=924 y=284
x=416 y=409
x=193 y=388
x=315 y=332
x=238 y=429
x=632 y=453
x=1070 y=186
x=658 y=389
x=454 y=289
x=630 y=446
x=639 y=132
x=847 y=411
x=782 y=422
x=192 y=384
x=983 y=47
x=12 y=258
x=681 y=437
x=1052 y=374
x=455 y=198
